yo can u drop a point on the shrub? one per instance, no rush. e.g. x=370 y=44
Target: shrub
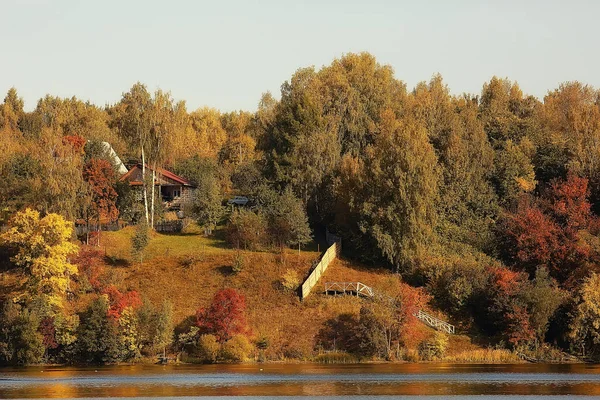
x=434 y=347
x=237 y=348
x=246 y=229
x=208 y=348
x=140 y=241
x=187 y=260
x=238 y=263
x=290 y=280
x=225 y=317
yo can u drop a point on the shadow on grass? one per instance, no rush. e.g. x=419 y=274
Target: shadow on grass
x=225 y=270
x=116 y=261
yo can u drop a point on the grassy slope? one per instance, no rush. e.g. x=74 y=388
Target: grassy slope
x=289 y=325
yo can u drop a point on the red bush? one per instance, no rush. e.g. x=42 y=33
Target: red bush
x=90 y=263
x=225 y=317
x=119 y=301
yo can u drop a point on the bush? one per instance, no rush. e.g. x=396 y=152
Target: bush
x=238 y=263
x=208 y=348
x=237 y=349
x=225 y=317
x=186 y=261
x=140 y=240
x=434 y=347
x=246 y=229
x=290 y=280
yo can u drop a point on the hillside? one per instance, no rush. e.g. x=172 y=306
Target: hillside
x=188 y=269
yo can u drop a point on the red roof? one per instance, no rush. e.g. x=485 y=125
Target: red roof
x=159 y=171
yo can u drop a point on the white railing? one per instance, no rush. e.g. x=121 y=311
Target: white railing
x=357 y=288
x=434 y=322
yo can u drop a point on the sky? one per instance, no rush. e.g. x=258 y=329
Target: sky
x=225 y=54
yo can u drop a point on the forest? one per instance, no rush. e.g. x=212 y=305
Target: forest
x=486 y=205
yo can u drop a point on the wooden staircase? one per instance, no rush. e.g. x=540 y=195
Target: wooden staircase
x=359 y=289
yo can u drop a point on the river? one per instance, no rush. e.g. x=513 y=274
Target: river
x=364 y=381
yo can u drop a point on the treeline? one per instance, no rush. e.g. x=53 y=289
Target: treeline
x=489 y=201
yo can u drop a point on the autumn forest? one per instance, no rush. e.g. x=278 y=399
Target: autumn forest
x=481 y=207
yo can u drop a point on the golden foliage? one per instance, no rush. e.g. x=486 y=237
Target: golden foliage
x=43 y=247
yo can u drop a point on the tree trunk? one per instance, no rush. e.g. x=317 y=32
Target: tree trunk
x=98 y=233
x=153 y=195
x=144 y=186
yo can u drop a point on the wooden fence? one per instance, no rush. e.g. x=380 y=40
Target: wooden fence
x=331 y=254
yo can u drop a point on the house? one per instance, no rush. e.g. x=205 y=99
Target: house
x=173 y=189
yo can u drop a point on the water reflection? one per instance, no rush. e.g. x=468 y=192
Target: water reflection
x=300 y=380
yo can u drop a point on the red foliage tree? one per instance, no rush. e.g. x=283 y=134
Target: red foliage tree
x=225 y=317
x=90 y=263
x=533 y=236
x=119 y=301
x=548 y=232
x=569 y=203
x=76 y=141
x=48 y=332
x=101 y=177
x=411 y=300
x=511 y=316
x=518 y=329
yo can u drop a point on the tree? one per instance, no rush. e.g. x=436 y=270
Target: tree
x=289 y=223
x=154 y=327
x=225 y=317
x=553 y=232
x=585 y=326
x=543 y=297
x=467 y=202
x=101 y=178
x=571 y=122
x=246 y=229
x=140 y=240
x=43 y=248
x=98 y=334
x=206 y=202
x=210 y=134
x=20 y=341
x=394 y=191
x=132 y=120
x=11 y=111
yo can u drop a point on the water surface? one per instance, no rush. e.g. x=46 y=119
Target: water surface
x=359 y=381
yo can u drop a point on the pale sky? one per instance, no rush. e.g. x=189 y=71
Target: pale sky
x=224 y=54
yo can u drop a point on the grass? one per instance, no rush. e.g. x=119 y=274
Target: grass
x=188 y=268
x=336 y=358
x=495 y=356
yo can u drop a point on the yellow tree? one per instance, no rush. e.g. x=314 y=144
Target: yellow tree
x=585 y=326
x=43 y=247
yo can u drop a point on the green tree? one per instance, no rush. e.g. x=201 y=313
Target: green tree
x=140 y=240
x=394 y=191
x=20 y=341
x=98 y=334
x=246 y=229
